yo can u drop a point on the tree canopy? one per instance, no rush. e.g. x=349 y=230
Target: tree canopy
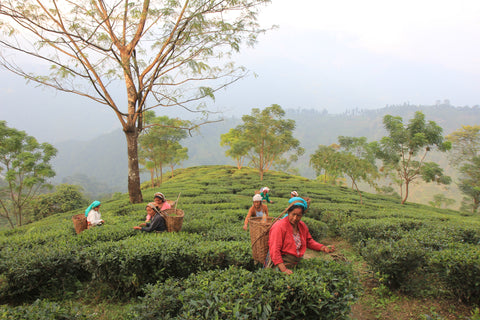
x=265 y=138
x=465 y=155
x=25 y=164
x=130 y=56
x=405 y=148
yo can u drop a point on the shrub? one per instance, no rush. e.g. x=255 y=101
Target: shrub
x=396 y=260
x=236 y=293
x=459 y=268
x=42 y=310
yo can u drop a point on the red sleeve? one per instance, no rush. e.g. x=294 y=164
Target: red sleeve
x=275 y=243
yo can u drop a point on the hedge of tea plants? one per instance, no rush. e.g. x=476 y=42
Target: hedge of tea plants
x=46 y=265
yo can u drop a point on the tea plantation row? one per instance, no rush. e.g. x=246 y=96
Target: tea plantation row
x=206 y=270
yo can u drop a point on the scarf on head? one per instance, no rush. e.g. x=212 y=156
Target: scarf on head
x=94 y=204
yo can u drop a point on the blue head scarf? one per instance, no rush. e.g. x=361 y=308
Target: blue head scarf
x=94 y=204
x=302 y=202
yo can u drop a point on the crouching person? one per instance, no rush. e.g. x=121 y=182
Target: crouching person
x=157 y=221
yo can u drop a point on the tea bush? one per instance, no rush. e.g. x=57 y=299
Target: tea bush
x=236 y=293
x=459 y=268
x=43 y=310
x=396 y=260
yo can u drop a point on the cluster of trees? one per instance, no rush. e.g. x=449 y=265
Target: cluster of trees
x=265 y=139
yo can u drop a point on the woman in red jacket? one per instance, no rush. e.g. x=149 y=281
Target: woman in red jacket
x=289 y=238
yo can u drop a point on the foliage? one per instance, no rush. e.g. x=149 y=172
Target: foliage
x=407 y=245
x=42 y=310
x=405 y=148
x=441 y=199
x=353 y=158
x=160 y=144
x=164 y=53
x=235 y=293
x=265 y=138
x=25 y=164
x=65 y=198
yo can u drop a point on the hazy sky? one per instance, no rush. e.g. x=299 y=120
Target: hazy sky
x=333 y=55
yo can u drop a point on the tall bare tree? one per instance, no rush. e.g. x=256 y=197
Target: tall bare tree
x=163 y=53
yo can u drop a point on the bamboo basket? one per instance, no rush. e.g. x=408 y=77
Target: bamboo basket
x=259 y=237
x=79 y=222
x=171 y=202
x=173 y=219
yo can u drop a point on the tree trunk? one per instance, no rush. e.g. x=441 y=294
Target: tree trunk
x=152 y=180
x=134 y=191
x=406 y=192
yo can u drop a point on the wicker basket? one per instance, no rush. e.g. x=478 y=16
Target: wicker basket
x=259 y=237
x=171 y=202
x=79 y=222
x=173 y=219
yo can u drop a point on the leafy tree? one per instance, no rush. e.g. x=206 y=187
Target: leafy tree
x=179 y=154
x=157 y=51
x=159 y=145
x=269 y=138
x=470 y=184
x=439 y=200
x=323 y=160
x=238 y=147
x=65 y=198
x=25 y=165
x=354 y=157
x=464 y=156
x=405 y=148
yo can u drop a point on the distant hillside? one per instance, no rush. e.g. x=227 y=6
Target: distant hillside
x=100 y=165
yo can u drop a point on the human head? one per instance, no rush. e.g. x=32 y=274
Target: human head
x=159 y=198
x=151 y=208
x=265 y=189
x=257 y=200
x=295 y=213
x=294 y=194
x=93 y=205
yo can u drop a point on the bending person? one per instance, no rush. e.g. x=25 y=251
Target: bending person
x=94 y=218
x=258 y=209
x=289 y=239
x=157 y=223
x=265 y=196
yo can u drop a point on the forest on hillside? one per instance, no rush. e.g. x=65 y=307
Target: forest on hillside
x=107 y=173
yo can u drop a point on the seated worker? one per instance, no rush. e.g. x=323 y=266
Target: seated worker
x=157 y=222
x=289 y=238
x=94 y=218
x=264 y=194
x=258 y=209
x=160 y=203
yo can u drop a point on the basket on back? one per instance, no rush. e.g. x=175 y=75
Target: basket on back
x=259 y=237
x=173 y=219
x=79 y=222
x=171 y=202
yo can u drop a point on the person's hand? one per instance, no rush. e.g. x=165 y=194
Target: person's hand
x=328 y=249
x=245 y=227
x=288 y=271
x=137 y=228
x=143 y=224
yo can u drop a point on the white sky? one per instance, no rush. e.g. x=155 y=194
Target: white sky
x=333 y=55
